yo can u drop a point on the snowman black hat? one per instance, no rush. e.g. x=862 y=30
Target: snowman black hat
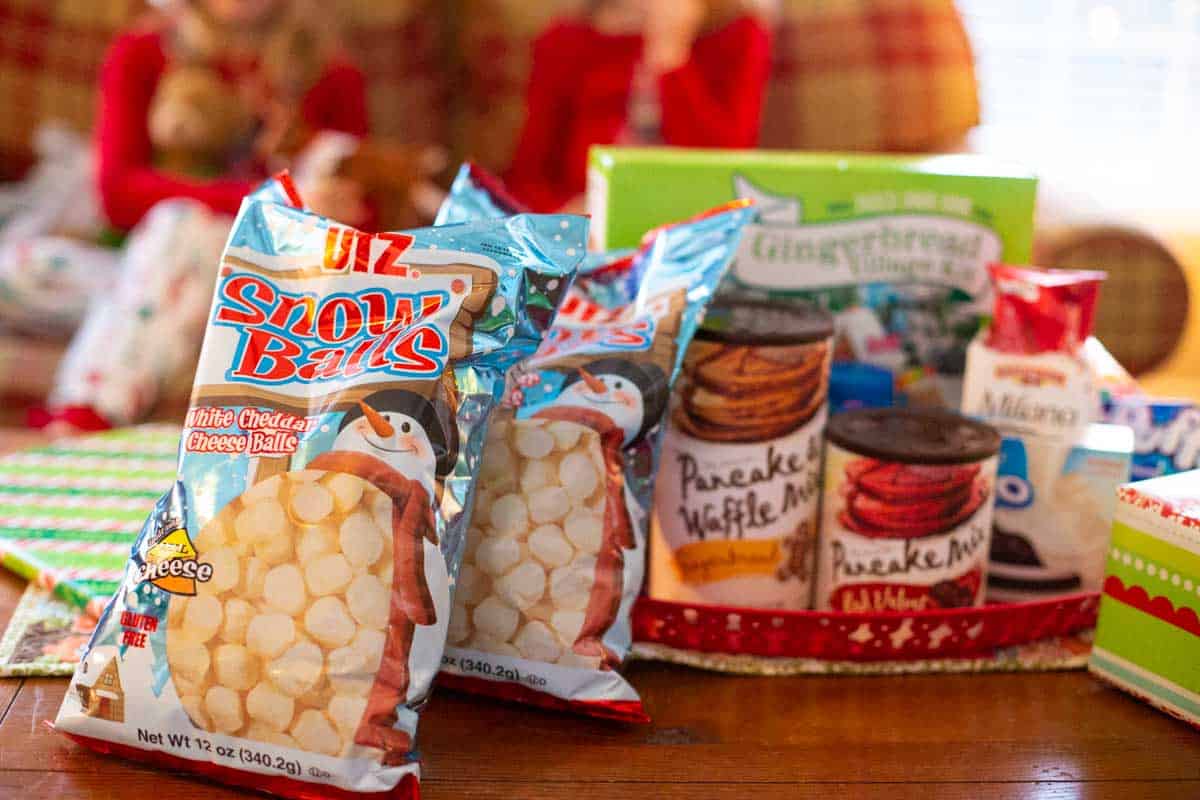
x=650 y=380
x=434 y=416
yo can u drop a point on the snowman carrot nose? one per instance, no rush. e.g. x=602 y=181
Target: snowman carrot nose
x=378 y=424
x=593 y=383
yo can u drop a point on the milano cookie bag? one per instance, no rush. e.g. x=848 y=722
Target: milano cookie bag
x=285 y=606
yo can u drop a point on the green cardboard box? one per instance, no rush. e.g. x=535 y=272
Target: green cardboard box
x=895 y=246
x=1148 y=634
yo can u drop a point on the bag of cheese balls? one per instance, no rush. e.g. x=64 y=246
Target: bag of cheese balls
x=285 y=606
x=554 y=557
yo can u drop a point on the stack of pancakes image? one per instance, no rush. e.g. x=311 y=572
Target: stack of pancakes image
x=907 y=501
x=757 y=370
x=749 y=393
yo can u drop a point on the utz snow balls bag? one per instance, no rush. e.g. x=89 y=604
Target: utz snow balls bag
x=285 y=607
x=555 y=555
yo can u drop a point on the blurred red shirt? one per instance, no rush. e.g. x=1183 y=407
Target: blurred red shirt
x=129 y=182
x=579 y=91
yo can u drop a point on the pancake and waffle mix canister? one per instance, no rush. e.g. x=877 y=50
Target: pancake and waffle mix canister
x=906 y=512
x=739 y=487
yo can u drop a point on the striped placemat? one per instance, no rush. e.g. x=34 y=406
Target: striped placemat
x=69 y=511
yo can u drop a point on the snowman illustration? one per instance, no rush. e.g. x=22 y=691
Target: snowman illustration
x=404 y=444
x=405 y=431
x=631 y=396
x=621 y=400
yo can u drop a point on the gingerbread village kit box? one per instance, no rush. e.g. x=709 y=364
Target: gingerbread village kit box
x=896 y=247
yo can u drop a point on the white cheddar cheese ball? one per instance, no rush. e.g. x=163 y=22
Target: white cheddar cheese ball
x=254 y=575
x=347 y=711
x=261 y=520
x=585 y=530
x=566 y=434
x=490 y=644
x=361 y=540
x=276 y=548
x=496 y=618
x=567 y=624
x=283 y=589
x=369 y=600
x=311 y=502
x=350 y=671
x=328 y=574
x=235 y=667
x=236 y=617
x=202 y=617
x=522 y=586
x=263 y=490
x=328 y=621
x=283 y=643
x=509 y=515
x=225 y=575
x=370 y=644
x=537 y=642
x=532 y=441
x=224 y=707
x=188 y=658
x=529 y=561
x=268 y=635
x=271 y=707
x=262 y=733
x=313 y=732
x=497 y=556
x=298 y=669
x=548 y=545
x=347 y=490
x=571 y=586
x=578 y=476
x=537 y=474
x=314 y=541
x=548 y=504
x=211 y=536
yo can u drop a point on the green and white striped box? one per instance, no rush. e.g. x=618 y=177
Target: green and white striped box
x=1148 y=634
x=70 y=511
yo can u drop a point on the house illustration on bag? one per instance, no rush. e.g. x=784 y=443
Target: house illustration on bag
x=99 y=685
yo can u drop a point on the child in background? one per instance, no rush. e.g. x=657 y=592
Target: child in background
x=679 y=72
x=274 y=57
x=186 y=101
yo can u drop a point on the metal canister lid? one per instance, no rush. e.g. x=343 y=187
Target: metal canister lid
x=750 y=321
x=913 y=435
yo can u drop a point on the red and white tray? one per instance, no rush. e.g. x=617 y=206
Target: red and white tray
x=1046 y=634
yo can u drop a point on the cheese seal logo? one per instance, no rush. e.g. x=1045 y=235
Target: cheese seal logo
x=171 y=564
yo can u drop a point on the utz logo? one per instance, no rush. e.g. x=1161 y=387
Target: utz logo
x=172 y=566
x=350 y=250
x=584 y=326
x=1026 y=375
x=286 y=337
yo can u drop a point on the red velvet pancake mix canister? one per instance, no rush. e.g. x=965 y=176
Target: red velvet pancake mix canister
x=907 y=510
x=738 y=492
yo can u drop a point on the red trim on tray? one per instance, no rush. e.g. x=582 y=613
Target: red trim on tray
x=621 y=710
x=833 y=636
x=407 y=789
x=1159 y=606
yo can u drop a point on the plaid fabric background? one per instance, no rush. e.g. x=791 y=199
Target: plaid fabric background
x=870 y=75
x=848 y=74
x=50 y=51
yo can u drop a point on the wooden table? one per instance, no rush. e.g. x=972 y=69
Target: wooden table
x=1053 y=735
